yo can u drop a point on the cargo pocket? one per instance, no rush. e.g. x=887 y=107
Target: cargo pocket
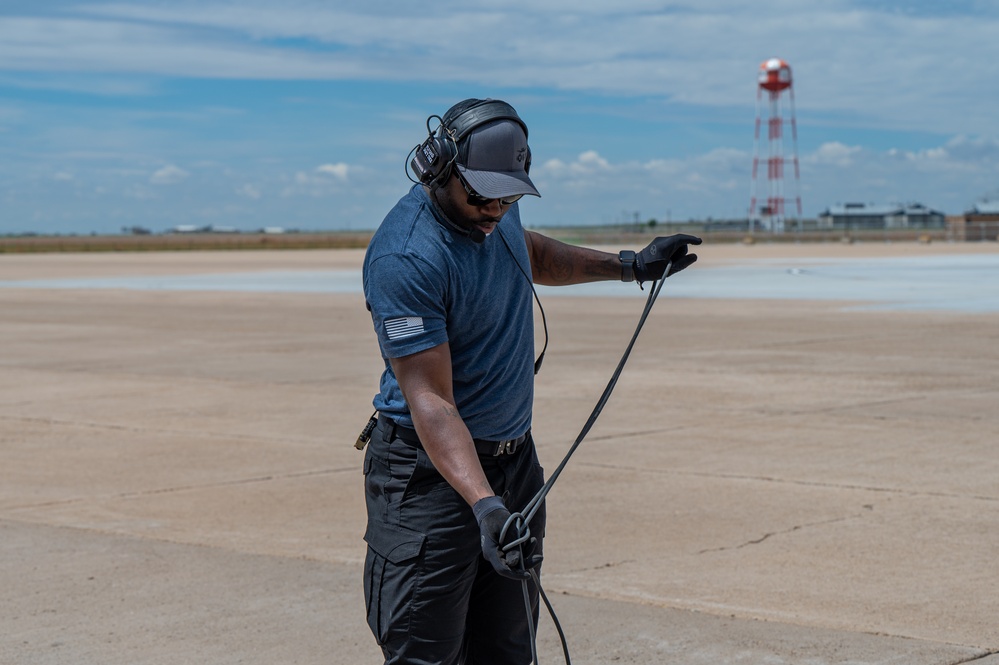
x=425 y=477
x=390 y=575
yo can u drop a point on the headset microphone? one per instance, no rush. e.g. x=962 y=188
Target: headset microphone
x=476 y=235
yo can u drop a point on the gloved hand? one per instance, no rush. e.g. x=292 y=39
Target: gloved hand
x=492 y=514
x=650 y=263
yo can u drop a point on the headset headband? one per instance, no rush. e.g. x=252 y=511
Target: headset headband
x=471 y=113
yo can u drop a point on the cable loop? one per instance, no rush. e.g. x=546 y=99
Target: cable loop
x=517 y=521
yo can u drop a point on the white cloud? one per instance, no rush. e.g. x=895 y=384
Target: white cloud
x=324 y=180
x=979 y=149
x=591 y=161
x=168 y=175
x=833 y=153
x=587 y=163
x=338 y=170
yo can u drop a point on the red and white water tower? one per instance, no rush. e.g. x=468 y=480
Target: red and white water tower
x=775 y=79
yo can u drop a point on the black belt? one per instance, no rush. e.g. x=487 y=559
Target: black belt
x=483 y=447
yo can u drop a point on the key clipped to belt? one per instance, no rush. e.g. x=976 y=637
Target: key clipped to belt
x=365 y=435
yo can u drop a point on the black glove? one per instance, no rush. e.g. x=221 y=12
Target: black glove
x=492 y=515
x=650 y=263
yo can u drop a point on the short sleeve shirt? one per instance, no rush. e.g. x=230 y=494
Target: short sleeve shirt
x=427 y=285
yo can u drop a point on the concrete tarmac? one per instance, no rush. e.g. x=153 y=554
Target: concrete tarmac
x=774 y=480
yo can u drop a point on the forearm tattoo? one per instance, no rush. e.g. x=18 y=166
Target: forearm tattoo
x=555 y=261
x=559 y=263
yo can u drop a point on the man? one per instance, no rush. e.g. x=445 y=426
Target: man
x=448 y=280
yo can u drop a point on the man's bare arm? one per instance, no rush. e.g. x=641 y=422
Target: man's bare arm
x=425 y=380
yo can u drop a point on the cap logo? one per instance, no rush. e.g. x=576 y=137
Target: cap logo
x=520 y=154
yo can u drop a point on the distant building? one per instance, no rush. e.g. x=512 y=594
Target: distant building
x=874 y=216
x=979 y=223
x=983 y=211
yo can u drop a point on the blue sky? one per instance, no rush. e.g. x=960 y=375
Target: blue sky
x=301 y=113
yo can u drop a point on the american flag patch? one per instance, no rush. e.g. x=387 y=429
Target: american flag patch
x=407 y=326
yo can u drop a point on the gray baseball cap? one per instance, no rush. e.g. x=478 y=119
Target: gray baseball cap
x=496 y=159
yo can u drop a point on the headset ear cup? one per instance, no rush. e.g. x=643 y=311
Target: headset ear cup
x=447 y=151
x=432 y=160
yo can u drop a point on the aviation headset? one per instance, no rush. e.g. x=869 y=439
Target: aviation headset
x=434 y=159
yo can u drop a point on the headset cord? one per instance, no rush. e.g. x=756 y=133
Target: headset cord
x=519 y=521
x=530 y=282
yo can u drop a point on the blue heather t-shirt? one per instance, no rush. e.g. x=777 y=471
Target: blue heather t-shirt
x=427 y=285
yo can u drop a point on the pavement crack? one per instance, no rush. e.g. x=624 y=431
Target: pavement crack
x=975 y=659
x=719 y=475
x=145 y=429
x=602 y=566
x=771 y=534
x=230 y=483
x=189 y=488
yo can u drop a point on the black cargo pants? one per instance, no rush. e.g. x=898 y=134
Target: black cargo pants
x=431 y=597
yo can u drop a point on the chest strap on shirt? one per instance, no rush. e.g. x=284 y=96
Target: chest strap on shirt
x=392 y=430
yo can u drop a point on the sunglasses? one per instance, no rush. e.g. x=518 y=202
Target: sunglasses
x=476 y=200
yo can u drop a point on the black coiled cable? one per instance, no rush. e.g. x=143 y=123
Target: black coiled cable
x=519 y=521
